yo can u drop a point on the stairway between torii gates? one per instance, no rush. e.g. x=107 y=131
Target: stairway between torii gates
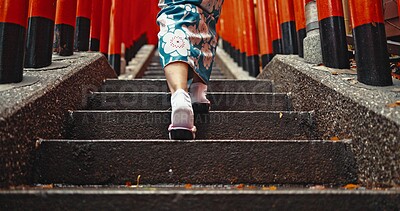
x=252 y=152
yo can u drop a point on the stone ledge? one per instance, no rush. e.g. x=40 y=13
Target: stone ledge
x=229 y=67
x=349 y=110
x=39 y=110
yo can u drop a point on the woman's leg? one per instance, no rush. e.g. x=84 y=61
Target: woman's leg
x=177 y=74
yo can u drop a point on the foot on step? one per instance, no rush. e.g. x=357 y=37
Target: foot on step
x=200 y=103
x=182 y=117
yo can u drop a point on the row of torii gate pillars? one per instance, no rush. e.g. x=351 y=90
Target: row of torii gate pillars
x=252 y=32
x=31 y=31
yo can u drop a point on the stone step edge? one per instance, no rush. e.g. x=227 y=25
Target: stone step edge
x=214 y=191
x=212 y=80
x=211 y=93
x=163 y=111
x=344 y=141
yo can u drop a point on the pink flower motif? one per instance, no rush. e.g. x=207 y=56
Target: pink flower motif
x=219 y=4
x=208 y=5
x=176 y=43
x=193 y=34
x=207 y=55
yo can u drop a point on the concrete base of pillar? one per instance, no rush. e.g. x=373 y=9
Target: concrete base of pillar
x=312 y=48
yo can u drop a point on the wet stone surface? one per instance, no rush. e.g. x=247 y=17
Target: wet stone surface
x=38 y=110
x=349 y=110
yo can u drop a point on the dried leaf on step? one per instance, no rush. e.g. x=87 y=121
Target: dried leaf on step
x=280 y=115
x=335 y=138
x=240 y=186
x=351 y=186
x=272 y=188
x=128 y=183
x=188 y=186
x=49 y=186
x=317 y=187
x=393 y=105
x=138 y=181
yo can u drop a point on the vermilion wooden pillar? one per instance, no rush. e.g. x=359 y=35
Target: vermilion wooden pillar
x=39 y=44
x=13 y=21
x=370 y=42
x=65 y=27
x=333 y=34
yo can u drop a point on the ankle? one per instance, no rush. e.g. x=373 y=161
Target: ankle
x=198 y=92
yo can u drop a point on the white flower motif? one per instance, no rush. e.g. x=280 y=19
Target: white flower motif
x=166 y=20
x=176 y=43
x=190 y=8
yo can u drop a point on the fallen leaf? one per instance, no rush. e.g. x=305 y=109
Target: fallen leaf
x=252 y=187
x=393 y=105
x=335 y=138
x=240 y=186
x=348 y=78
x=317 y=187
x=272 y=188
x=280 y=115
x=188 y=186
x=49 y=186
x=351 y=186
x=138 y=181
x=37 y=144
x=128 y=184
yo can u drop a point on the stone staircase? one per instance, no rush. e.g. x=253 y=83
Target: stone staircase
x=252 y=151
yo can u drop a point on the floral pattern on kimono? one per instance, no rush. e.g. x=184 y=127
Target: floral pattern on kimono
x=187 y=33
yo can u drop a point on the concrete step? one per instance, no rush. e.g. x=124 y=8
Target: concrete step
x=153 y=77
x=220 y=101
x=93 y=162
x=159 y=198
x=120 y=124
x=160 y=85
x=161 y=73
x=163 y=77
x=149 y=72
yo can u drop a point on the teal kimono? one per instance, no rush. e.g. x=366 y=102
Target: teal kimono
x=187 y=33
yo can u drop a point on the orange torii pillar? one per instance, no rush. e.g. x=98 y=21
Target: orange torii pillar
x=95 y=25
x=264 y=34
x=65 y=27
x=114 y=47
x=299 y=12
x=131 y=30
x=372 y=56
x=39 y=42
x=226 y=32
x=253 y=59
x=82 y=31
x=333 y=34
x=275 y=28
x=135 y=27
x=13 y=20
x=105 y=27
x=288 y=26
x=125 y=27
x=153 y=27
x=238 y=48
